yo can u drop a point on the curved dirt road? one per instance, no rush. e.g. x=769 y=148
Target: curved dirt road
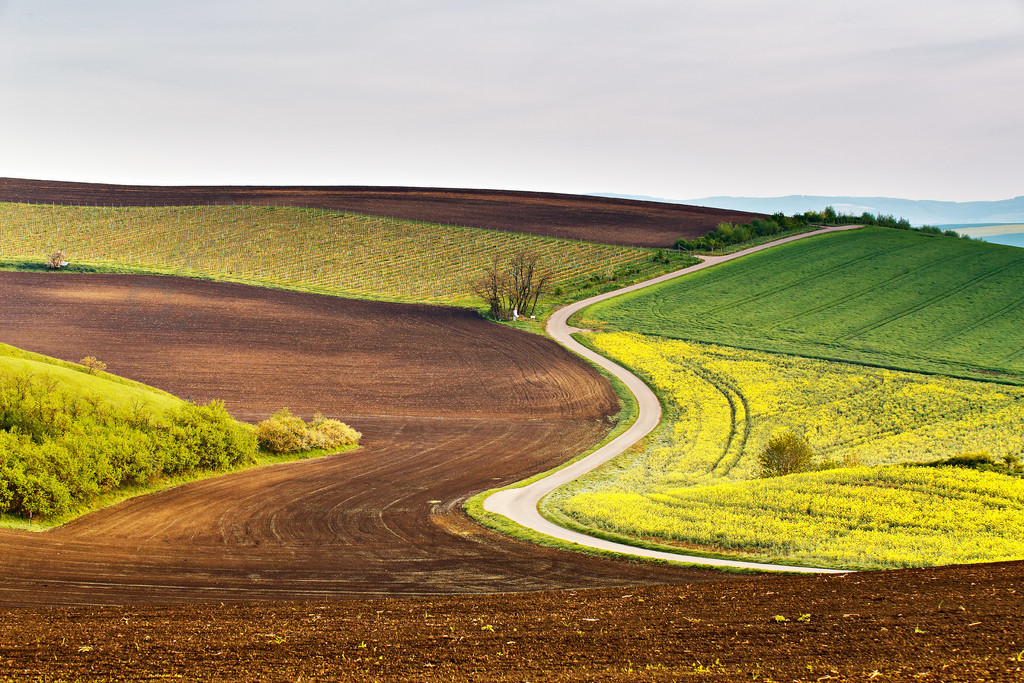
x=520 y=504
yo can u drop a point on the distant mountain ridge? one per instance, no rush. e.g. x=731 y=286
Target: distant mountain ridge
x=918 y=212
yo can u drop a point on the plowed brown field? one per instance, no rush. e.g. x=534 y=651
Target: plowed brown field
x=449 y=405
x=592 y=219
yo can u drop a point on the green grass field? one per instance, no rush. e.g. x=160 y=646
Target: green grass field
x=308 y=249
x=876 y=296
x=110 y=389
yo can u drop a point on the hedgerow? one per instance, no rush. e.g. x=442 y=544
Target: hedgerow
x=60 y=449
x=727 y=234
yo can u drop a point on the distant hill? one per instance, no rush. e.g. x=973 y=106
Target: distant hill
x=918 y=212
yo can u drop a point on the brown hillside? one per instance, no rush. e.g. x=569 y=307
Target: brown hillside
x=593 y=219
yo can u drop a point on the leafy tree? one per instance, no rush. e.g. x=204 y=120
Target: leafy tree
x=93 y=364
x=786 y=453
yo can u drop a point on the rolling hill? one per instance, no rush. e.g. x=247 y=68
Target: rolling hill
x=578 y=217
x=889 y=298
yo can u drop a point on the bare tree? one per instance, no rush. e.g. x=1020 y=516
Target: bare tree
x=491 y=287
x=516 y=287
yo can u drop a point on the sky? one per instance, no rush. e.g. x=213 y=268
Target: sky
x=920 y=99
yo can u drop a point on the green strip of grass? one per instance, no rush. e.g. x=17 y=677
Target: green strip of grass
x=887 y=298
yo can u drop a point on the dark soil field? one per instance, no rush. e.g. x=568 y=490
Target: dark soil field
x=593 y=219
x=952 y=624
x=363 y=567
x=448 y=403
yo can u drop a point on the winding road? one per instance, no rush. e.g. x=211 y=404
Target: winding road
x=520 y=504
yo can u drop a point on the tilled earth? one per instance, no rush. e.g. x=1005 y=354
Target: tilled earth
x=948 y=624
x=449 y=405
x=363 y=567
x=593 y=219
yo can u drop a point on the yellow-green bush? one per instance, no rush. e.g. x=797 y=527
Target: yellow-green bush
x=287 y=433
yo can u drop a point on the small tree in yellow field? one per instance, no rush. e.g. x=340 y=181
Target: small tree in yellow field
x=786 y=453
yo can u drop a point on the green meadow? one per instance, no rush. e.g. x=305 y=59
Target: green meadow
x=876 y=296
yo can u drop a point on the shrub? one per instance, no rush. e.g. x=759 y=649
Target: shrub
x=56 y=260
x=334 y=433
x=42 y=495
x=283 y=433
x=786 y=453
x=93 y=364
x=286 y=433
x=214 y=436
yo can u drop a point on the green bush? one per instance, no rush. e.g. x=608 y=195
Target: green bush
x=286 y=433
x=786 y=453
x=59 y=449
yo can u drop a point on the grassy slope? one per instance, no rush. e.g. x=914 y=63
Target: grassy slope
x=109 y=390
x=874 y=296
x=308 y=249
x=76 y=379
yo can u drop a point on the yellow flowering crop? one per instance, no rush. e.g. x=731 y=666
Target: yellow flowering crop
x=695 y=484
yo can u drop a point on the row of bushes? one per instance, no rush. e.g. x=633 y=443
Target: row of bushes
x=287 y=433
x=728 y=234
x=59 y=450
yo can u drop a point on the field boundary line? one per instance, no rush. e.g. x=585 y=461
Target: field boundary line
x=520 y=504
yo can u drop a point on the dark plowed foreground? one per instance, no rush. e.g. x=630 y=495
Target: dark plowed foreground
x=950 y=624
x=449 y=405
x=592 y=219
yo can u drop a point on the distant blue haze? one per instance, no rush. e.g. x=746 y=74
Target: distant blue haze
x=918 y=212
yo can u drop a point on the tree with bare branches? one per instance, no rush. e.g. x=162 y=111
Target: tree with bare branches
x=514 y=287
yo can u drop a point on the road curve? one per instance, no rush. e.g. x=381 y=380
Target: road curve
x=520 y=504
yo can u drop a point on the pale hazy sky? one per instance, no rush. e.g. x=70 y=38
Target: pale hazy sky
x=921 y=99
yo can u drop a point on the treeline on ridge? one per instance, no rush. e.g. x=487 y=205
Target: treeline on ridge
x=728 y=234
x=59 y=449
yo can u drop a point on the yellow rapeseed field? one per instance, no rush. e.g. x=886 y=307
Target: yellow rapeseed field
x=696 y=483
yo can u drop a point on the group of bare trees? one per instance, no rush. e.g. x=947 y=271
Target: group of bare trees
x=513 y=287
